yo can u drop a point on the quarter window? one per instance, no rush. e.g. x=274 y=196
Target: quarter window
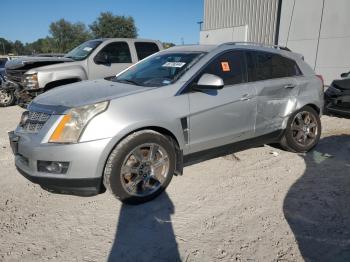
x=144 y=49
x=117 y=52
x=229 y=66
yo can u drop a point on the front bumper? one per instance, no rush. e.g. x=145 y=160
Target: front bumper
x=86 y=163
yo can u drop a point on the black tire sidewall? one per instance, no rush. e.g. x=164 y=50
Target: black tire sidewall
x=288 y=136
x=112 y=178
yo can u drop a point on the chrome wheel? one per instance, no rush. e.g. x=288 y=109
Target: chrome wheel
x=145 y=169
x=304 y=128
x=5 y=97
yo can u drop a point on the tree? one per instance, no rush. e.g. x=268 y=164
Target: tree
x=167 y=45
x=67 y=35
x=5 y=46
x=109 y=26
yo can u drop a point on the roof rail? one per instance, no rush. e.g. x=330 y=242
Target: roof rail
x=258 y=44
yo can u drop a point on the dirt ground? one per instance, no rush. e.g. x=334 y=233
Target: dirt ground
x=262 y=204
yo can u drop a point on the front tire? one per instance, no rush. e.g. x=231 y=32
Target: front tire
x=7 y=98
x=303 y=131
x=140 y=167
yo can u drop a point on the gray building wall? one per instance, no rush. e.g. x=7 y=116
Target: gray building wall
x=320 y=30
x=239 y=20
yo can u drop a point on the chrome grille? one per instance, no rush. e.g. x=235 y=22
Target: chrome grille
x=32 y=122
x=15 y=75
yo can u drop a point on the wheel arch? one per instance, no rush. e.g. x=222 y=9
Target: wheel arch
x=162 y=130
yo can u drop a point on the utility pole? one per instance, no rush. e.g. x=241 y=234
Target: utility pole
x=200 y=23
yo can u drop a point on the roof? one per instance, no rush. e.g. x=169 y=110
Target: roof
x=191 y=48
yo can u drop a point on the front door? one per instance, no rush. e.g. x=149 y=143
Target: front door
x=227 y=115
x=117 y=56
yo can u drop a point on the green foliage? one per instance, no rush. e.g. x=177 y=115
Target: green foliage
x=65 y=35
x=167 y=45
x=109 y=25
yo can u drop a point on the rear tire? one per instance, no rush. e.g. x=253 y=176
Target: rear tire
x=303 y=131
x=140 y=167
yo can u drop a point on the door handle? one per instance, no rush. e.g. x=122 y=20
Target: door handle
x=289 y=86
x=245 y=97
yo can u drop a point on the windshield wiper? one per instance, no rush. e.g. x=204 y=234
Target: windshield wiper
x=127 y=81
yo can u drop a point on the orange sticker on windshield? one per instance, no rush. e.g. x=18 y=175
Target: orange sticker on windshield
x=225 y=67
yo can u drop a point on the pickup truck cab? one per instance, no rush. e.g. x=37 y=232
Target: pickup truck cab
x=94 y=59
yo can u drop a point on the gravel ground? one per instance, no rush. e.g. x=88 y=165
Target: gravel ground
x=262 y=204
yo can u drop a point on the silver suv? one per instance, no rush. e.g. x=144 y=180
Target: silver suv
x=177 y=107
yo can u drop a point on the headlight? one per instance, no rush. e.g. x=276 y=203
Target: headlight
x=72 y=124
x=31 y=81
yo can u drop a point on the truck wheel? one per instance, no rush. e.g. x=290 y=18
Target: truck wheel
x=7 y=98
x=140 y=167
x=303 y=131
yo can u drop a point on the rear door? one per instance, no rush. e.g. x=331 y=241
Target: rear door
x=119 y=56
x=273 y=77
x=223 y=116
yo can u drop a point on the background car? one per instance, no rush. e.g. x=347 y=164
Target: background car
x=337 y=96
x=93 y=59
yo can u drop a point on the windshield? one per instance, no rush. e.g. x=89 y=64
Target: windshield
x=159 y=70
x=84 y=50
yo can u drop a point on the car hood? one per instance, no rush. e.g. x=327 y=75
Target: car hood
x=84 y=93
x=29 y=62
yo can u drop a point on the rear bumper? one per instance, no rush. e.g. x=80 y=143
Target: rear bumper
x=78 y=187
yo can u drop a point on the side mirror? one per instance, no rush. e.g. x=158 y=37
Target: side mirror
x=209 y=82
x=102 y=59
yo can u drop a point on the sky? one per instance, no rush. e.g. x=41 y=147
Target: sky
x=164 y=20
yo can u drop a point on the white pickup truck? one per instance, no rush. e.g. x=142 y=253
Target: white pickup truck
x=99 y=58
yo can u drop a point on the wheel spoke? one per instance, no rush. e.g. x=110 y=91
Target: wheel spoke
x=297 y=128
x=129 y=170
x=159 y=163
x=311 y=135
x=152 y=152
x=307 y=119
x=138 y=154
x=158 y=177
x=312 y=125
x=132 y=186
x=299 y=135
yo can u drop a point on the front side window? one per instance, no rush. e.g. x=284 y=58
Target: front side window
x=160 y=69
x=117 y=52
x=84 y=50
x=144 y=49
x=229 y=66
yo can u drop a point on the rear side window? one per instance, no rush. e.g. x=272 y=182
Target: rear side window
x=117 y=52
x=144 y=49
x=229 y=66
x=263 y=66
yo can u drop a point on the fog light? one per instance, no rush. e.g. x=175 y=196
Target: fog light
x=53 y=167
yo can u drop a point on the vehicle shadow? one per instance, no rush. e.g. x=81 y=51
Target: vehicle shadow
x=317 y=206
x=144 y=233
